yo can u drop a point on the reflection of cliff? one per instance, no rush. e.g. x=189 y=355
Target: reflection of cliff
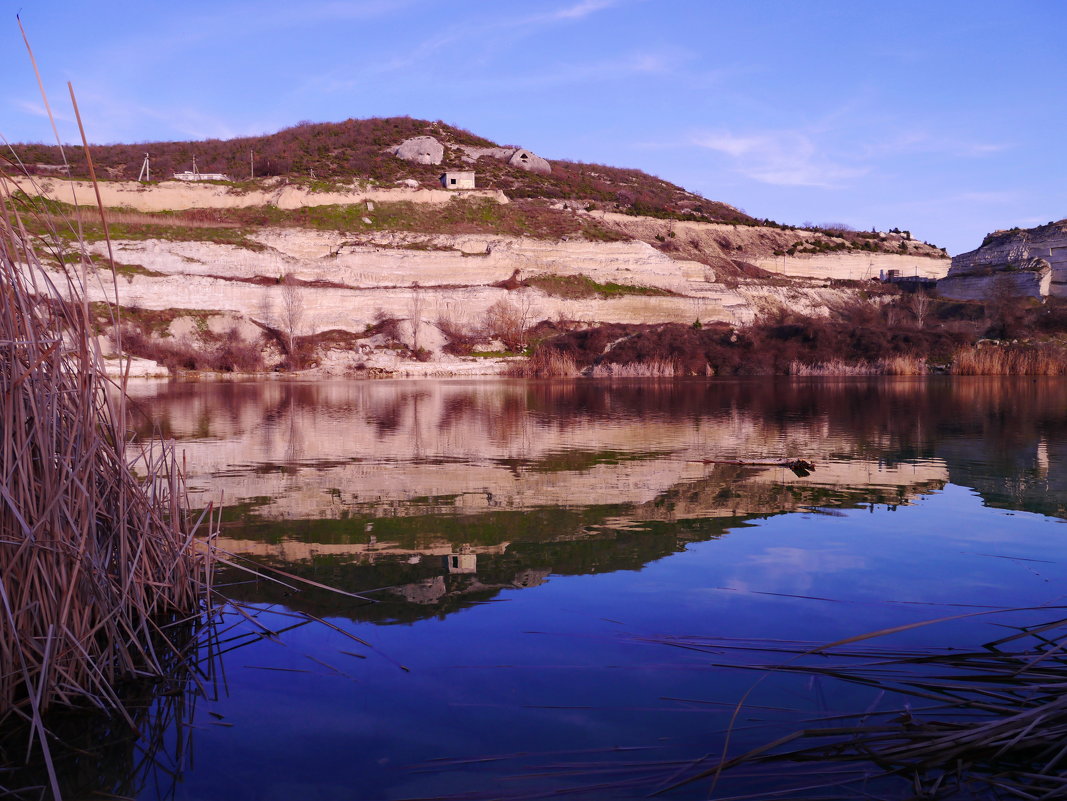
x=1012 y=446
x=383 y=448
x=371 y=487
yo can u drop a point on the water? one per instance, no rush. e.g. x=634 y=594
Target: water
x=525 y=552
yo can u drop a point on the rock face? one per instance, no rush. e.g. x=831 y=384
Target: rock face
x=178 y=195
x=346 y=284
x=1028 y=262
x=515 y=156
x=723 y=245
x=524 y=159
x=421 y=150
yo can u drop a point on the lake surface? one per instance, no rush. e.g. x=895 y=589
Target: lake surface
x=550 y=582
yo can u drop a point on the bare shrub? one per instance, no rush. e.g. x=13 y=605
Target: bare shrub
x=234 y=354
x=461 y=339
x=1007 y=311
x=230 y=353
x=385 y=325
x=506 y=321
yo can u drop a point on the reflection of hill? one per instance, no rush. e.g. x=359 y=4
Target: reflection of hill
x=380 y=448
x=375 y=484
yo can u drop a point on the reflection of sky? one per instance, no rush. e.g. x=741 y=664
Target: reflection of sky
x=578 y=662
x=566 y=665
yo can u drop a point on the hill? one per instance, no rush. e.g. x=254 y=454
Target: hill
x=361 y=150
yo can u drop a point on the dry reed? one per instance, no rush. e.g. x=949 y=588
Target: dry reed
x=991 y=359
x=136 y=218
x=545 y=363
x=98 y=559
x=987 y=722
x=894 y=365
x=654 y=368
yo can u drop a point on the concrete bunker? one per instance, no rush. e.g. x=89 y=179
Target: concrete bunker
x=457 y=179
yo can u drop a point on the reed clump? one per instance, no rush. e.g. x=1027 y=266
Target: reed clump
x=99 y=561
x=894 y=365
x=1045 y=359
x=546 y=363
x=653 y=368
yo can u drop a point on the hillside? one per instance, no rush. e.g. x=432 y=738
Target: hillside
x=323 y=153
x=354 y=260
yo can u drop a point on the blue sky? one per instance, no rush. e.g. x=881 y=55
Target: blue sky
x=946 y=118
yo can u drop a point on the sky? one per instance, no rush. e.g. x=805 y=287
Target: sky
x=940 y=117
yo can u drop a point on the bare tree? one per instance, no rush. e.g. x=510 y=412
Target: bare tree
x=415 y=315
x=292 y=316
x=920 y=305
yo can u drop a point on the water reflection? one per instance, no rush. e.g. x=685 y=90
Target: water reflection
x=438 y=495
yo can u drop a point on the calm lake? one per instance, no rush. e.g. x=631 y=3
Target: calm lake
x=561 y=586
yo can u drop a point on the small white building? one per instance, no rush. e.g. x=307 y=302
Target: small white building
x=458 y=179
x=195 y=175
x=200 y=176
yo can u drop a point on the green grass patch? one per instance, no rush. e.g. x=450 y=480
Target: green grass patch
x=582 y=286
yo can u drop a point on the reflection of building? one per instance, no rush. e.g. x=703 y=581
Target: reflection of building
x=462 y=562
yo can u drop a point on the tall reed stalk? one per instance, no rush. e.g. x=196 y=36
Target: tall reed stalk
x=1028 y=359
x=99 y=562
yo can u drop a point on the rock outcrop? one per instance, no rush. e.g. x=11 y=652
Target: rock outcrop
x=515 y=156
x=1024 y=262
x=421 y=150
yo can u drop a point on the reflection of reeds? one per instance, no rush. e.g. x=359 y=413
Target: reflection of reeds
x=1031 y=359
x=97 y=557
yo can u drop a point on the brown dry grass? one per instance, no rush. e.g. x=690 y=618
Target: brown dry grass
x=654 y=368
x=546 y=363
x=992 y=359
x=894 y=365
x=98 y=558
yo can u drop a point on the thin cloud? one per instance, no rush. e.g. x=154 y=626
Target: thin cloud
x=516 y=27
x=914 y=142
x=781 y=158
x=583 y=9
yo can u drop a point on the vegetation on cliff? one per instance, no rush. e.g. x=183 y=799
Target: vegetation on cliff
x=320 y=155
x=894 y=334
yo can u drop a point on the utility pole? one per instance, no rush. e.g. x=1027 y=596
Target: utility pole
x=146 y=170
x=251 y=166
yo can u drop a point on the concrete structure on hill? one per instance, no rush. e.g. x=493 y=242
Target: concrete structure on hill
x=1026 y=262
x=189 y=175
x=195 y=175
x=515 y=156
x=420 y=150
x=428 y=150
x=526 y=160
x=458 y=179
